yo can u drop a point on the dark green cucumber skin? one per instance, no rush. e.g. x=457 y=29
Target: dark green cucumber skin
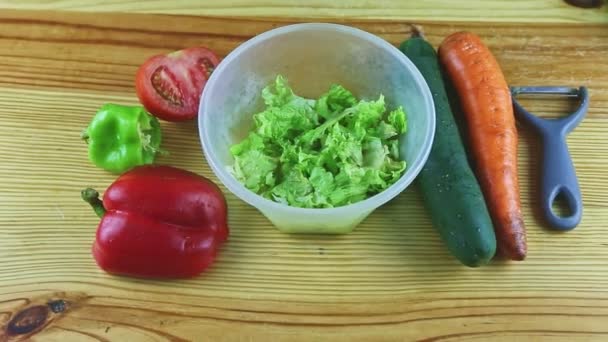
x=449 y=187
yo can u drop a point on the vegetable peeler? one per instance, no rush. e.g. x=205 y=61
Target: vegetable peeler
x=558 y=177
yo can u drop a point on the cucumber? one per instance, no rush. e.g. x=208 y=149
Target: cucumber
x=450 y=190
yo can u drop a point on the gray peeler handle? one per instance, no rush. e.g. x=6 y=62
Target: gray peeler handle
x=558 y=176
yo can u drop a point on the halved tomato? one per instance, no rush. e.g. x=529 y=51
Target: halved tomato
x=170 y=86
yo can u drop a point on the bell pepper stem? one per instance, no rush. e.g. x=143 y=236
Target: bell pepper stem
x=91 y=196
x=85 y=136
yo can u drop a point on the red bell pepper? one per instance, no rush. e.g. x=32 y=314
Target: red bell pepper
x=158 y=221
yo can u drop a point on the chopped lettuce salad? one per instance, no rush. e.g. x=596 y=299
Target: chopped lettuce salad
x=323 y=153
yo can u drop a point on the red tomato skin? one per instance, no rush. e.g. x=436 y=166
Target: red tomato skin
x=184 y=75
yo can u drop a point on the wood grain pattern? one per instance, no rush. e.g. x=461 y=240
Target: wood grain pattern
x=552 y=11
x=391 y=279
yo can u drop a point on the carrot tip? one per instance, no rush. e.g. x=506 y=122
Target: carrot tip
x=517 y=253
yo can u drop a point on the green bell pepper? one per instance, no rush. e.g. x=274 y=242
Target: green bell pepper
x=121 y=137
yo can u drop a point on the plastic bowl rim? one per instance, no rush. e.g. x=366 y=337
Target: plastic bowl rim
x=369 y=204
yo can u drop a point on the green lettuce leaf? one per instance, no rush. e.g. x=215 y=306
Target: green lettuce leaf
x=322 y=182
x=336 y=100
x=368 y=113
x=375 y=153
x=294 y=190
x=251 y=142
x=398 y=120
x=255 y=170
x=277 y=94
x=331 y=152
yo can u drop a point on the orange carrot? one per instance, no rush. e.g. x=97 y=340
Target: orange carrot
x=488 y=113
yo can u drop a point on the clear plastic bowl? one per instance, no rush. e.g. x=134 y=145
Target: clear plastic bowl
x=312 y=56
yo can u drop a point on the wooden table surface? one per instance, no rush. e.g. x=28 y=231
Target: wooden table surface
x=390 y=280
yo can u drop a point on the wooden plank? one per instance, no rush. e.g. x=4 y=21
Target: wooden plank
x=555 y=11
x=391 y=279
